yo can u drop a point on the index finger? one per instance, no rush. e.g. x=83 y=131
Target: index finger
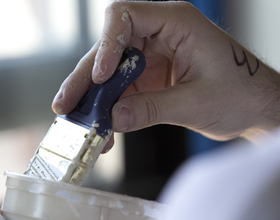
x=123 y=22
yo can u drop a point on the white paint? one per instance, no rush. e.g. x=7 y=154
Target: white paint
x=124 y=17
x=133 y=61
x=66 y=195
x=119 y=48
x=95 y=125
x=69 y=141
x=121 y=40
x=101 y=79
x=127 y=66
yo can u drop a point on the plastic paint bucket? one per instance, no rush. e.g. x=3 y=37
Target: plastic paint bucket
x=29 y=198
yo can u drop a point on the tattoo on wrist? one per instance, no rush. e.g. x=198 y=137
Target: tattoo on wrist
x=244 y=61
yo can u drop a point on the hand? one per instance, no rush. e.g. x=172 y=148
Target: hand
x=196 y=76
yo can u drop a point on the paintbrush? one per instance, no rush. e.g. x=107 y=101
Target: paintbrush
x=75 y=140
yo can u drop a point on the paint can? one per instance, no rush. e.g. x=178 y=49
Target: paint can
x=29 y=198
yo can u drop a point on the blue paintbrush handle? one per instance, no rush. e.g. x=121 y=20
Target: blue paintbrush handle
x=94 y=109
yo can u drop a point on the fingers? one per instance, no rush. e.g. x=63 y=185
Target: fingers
x=196 y=105
x=124 y=22
x=109 y=145
x=149 y=108
x=75 y=85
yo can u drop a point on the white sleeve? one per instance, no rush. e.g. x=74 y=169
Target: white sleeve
x=238 y=182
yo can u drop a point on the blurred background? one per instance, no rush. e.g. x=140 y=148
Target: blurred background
x=41 y=42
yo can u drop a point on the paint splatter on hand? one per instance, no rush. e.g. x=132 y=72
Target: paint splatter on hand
x=193 y=78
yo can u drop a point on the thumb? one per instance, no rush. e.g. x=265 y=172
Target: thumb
x=145 y=109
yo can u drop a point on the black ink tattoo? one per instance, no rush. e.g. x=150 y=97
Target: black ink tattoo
x=244 y=61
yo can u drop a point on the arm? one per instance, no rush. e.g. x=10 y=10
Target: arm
x=197 y=76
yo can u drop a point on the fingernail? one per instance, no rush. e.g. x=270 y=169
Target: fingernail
x=124 y=119
x=58 y=96
x=95 y=70
x=56 y=102
x=59 y=111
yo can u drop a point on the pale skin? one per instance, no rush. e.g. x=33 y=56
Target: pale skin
x=192 y=78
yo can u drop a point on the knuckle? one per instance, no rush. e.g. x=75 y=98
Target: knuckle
x=112 y=27
x=153 y=109
x=191 y=9
x=186 y=8
x=113 y=7
x=186 y=5
x=104 y=43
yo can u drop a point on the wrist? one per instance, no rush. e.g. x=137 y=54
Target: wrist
x=268 y=98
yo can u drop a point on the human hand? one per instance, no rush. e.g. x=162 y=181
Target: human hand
x=196 y=76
